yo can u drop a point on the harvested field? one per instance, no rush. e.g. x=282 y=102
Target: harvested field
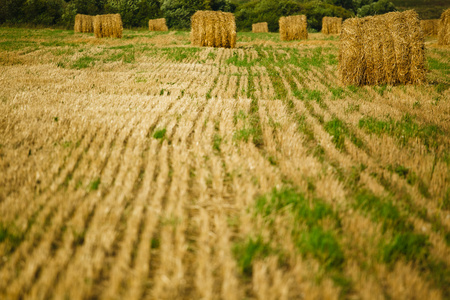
x=157 y=25
x=108 y=26
x=385 y=49
x=293 y=28
x=260 y=27
x=331 y=25
x=145 y=168
x=84 y=23
x=213 y=29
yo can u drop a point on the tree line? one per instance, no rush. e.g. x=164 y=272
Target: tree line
x=136 y=13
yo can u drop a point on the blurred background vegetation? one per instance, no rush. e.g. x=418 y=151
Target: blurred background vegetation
x=136 y=13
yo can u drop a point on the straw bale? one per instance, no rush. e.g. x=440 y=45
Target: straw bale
x=293 y=28
x=84 y=23
x=108 y=26
x=331 y=25
x=385 y=49
x=444 y=28
x=157 y=25
x=213 y=29
x=430 y=27
x=260 y=27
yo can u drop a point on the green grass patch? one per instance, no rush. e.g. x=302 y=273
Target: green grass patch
x=307 y=217
x=84 y=62
x=94 y=184
x=180 y=53
x=248 y=251
x=410 y=246
x=403 y=130
x=383 y=211
x=217 y=141
x=159 y=134
x=10 y=237
x=339 y=131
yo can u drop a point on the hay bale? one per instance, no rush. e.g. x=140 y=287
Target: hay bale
x=444 y=28
x=331 y=25
x=157 y=25
x=260 y=27
x=108 y=26
x=293 y=28
x=213 y=29
x=430 y=27
x=385 y=49
x=84 y=23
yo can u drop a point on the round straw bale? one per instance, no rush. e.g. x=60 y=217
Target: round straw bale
x=444 y=28
x=385 y=49
x=157 y=25
x=430 y=27
x=213 y=29
x=293 y=28
x=108 y=26
x=331 y=25
x=260 y=27
x=84 y=23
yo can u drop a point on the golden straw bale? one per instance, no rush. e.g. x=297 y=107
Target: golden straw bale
x=444 y=28
x=331 y=25
x=293 y=28
x=84 y=23
x=157 y=25
x=430 y=27
x=260 y=27
x=385 y=49
x=108 y=26
x=213 y=29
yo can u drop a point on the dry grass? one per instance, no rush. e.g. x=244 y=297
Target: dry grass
x=108 y=26
x=214 y=173
x=331 y=25
x=157 y=25
x=213 y=29
x=293 y=28
x=444 y=28
x=386 y=49
x=430 y=27
x=260 y=27
x=84 y=23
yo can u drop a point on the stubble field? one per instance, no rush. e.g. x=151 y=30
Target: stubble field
x=144 y=168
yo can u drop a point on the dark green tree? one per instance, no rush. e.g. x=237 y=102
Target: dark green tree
x=11 y=10
x=376 y=8
x=43 y=12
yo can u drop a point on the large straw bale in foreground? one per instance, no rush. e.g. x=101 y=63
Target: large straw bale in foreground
x=430 y=27
x=444 y=28
x=331 y=25
x=157 y=25
x=293 y=28
x=385 y=49
x=213 y=29
x=84 y=23
x=260 y=27
x=108 y=26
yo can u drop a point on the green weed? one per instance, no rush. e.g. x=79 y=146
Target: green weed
x=159 y=134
